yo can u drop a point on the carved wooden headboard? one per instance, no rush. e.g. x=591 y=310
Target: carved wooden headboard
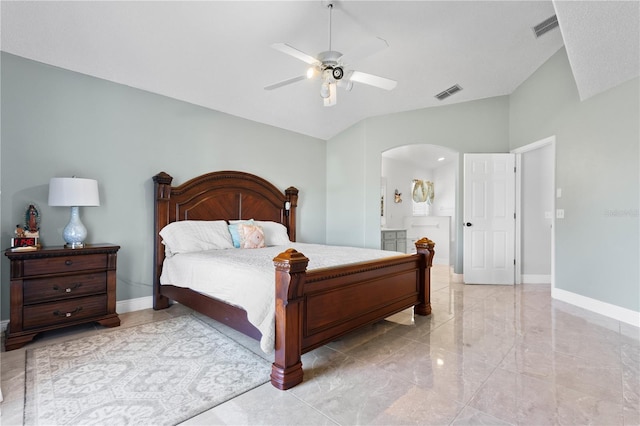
x=224 y=195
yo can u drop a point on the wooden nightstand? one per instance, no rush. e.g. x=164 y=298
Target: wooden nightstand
x=56 y=287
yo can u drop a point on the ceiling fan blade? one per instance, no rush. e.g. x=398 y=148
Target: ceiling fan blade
x=363 y=51
x=373 y=80
x=285 y=82
x=292 y=51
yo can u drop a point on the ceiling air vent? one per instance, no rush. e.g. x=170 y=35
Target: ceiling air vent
x=450 y=91
x=546 y=26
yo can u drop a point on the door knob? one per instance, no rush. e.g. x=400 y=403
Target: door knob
x=468 y=224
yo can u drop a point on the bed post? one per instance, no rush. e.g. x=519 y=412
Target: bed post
x=162 y=190
x=291 y=267
x=425 y=247
x=292 y=198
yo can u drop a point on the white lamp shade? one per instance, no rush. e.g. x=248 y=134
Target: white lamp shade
x=73 y=192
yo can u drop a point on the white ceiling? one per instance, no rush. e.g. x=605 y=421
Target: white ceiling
x=217 y=53
x=423 y=156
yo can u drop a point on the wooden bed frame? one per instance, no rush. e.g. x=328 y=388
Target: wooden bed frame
x=312 y=307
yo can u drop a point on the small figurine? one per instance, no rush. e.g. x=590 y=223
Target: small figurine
x=397 y=197
x=32 y=222
x=19 y=231
x=32 y=218
x=27 y=236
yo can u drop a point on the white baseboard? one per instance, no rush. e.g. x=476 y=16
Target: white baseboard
x=130 y=305
x=123 y=306
x=612 y=311
x=536 y=279
x=456 y=278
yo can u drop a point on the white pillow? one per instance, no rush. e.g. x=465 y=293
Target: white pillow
x=275 y=234
x=185 y=236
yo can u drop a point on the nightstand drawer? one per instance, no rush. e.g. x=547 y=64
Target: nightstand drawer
x=51 y=313
x=54 y=265
x=46 y=289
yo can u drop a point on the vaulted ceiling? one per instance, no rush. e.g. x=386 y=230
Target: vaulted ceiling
x=217 y=54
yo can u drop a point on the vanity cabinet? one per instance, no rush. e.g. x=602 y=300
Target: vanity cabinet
x=394 y=240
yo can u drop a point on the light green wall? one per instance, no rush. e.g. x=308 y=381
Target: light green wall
x=597 y=168
x=60 y=123
x=346 y=198
x=478 y=126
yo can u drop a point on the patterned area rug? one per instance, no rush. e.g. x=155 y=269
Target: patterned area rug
x=153 y=374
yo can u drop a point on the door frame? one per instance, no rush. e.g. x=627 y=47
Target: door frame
x=551 y=140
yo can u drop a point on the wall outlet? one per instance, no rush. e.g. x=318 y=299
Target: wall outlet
x=548 y=215
x=559 y=193
x=560 y=214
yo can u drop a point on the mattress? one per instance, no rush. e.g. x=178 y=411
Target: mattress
x=246 y=277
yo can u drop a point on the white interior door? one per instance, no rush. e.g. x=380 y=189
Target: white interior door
x=489 y=218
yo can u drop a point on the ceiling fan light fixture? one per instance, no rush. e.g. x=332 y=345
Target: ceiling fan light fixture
x=325 y=90
x=327 y=75
x=312 y=72
x=345 y=84
x=332 y=99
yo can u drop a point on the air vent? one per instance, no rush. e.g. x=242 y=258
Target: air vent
x=546 y=26
x=450 y=91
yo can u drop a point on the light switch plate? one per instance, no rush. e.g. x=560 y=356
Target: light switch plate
x=560 y=214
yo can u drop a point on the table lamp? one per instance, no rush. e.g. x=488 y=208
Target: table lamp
x=74 y=192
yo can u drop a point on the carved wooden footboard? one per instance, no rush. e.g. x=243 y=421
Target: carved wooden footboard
x=315 y=307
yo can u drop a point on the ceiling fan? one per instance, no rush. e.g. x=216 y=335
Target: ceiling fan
x=331 y=67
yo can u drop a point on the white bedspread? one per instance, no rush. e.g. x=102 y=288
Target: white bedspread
x=246 y=277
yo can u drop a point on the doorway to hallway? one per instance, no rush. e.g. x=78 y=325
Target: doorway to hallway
x=535 y=212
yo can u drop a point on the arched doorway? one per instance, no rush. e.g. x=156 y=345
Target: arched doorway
x=439 y=220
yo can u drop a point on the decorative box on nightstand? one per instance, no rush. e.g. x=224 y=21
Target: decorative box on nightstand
x=57 y=287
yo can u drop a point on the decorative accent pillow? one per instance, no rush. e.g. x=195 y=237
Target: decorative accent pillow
x=251 y=236
x=275 y=234
x=235 y=233
x=187 y=236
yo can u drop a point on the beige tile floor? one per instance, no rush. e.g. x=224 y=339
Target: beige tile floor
x=488 y=355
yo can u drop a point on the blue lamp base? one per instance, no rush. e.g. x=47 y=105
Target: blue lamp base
x=75 y=232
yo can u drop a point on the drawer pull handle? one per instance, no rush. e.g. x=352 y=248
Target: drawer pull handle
x=68 y=262
x=67 y=314
x=68 y=289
